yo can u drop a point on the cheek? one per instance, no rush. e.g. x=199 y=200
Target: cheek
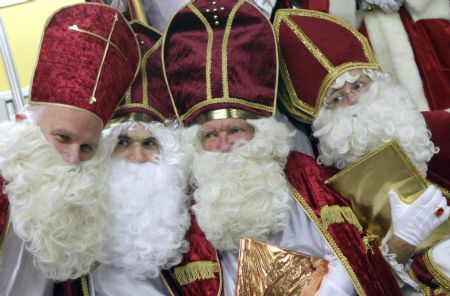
x=120 y=152
x=244 y=136
x=150 y=154
x=209 y=145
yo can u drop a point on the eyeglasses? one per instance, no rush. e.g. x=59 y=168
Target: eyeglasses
x=359 y=86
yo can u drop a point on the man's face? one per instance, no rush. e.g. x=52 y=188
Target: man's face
x=74 y=133
x=221 y=134
x=137 y=145
x=348 y=93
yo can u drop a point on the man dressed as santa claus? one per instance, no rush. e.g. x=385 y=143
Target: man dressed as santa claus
x=354 y=108
x=52 y=161
x=246 y=180
x=147 y=200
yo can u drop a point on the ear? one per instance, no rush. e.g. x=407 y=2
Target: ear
x=20 y=117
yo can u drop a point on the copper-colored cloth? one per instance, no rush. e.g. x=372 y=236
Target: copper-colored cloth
x=265 y=269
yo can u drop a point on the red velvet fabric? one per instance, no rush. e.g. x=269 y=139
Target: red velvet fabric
x=69 y=288
x=430 y=41
x=318 y=5
x=157 y=103
x=4 y=209
x=200 y=250
x=438 y=122
x=422 y=273
x=371 y=269
x=251 y=59
x=70 y=61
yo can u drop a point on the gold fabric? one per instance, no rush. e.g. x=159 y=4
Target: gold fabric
x=367 y=182
x=265 y=269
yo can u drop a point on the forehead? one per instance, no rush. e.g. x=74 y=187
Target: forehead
x=219 y=124
x=81 y=124
x=137 y=131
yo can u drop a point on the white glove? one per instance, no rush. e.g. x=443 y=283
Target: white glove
x=413 y=223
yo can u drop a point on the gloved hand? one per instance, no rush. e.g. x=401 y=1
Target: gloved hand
x=413 y=223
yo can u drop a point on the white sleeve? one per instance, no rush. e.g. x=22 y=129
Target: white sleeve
x=337 y=281
x=440 y=253
x=401 y=270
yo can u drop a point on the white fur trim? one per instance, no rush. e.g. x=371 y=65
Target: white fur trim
x=394 y=53
x=431 y=9
x=346 y=11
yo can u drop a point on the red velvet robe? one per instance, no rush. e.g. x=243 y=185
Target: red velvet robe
x=370 y=273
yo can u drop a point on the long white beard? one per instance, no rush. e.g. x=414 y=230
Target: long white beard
x=384 y=113
x=58 y=209
x=149 y=217
x=242 y=193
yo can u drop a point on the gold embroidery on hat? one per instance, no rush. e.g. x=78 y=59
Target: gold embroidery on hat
x=143 y=68
x=208 y=49
x=77 y=29
x=309 y=45
x=226 y=35
x=144 y=71
x=226 y=100
x=307 y=111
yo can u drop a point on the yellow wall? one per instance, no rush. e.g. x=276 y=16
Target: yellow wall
x=24 y=24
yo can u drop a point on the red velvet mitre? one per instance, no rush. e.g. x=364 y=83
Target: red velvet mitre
x=148 y=98
x=220 y=61
x=315 y=48
x=89 y=57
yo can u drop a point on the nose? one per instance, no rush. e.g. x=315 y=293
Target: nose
x=352 y=98
x=137 y=154
x=71 y=154
x=225 y=143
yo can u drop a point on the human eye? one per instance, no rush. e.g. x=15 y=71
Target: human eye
x=236 y=129
x=86 y=148
x=62 y=138
x=150 y=143
x=358 y=85
x=208 y=135
x=123 y=141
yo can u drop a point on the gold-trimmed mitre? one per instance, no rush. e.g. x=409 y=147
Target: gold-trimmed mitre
x=315 y=48
x=220 y=61
x=148 y=97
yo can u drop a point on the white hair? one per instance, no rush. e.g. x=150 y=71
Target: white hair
x=241 y=193
x=167 y=134
x=148 y=205
x=58 y=209
x=149 y=217
x=385 y=112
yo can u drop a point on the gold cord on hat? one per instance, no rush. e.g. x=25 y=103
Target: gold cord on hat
x=92 y=99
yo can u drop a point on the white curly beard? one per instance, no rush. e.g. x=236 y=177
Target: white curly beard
x=148 y=209
x=384 y=113
x=242 y=193
x=58 y=209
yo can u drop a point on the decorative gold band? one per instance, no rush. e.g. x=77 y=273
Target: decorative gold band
x=223 y=114
x=133 y=116
x=196 y=271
